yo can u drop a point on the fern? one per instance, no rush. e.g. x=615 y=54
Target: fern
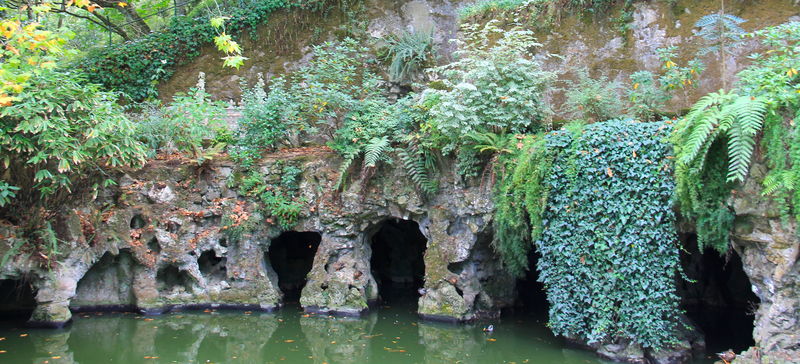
x=720 y=126
x=418 y=164
x=347 y=161
x=375 y=151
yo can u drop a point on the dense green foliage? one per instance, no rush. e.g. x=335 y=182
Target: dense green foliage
x=592 y=99
x=520 y=199
x=61 y=131
x=608 y=246
x=726 y=125
x=136 y=67
x=408 y=53
x=185 y=125
x=596 y=201
x=495 y=85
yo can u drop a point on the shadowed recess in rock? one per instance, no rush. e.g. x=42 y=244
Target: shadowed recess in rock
x=397 y=262
x=531 y=296
x=211 y=266
x=171 y=280
x=107 y=284
x=16 y=299
x=292 y=255
x=720 y=301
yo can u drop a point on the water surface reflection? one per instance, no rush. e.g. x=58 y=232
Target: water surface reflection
x=388 y=335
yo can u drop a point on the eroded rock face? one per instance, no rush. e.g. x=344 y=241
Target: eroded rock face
x=159 y=241
x=769 y=248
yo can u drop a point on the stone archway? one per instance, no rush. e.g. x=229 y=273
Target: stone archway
x=719 y=300
x=397 y=260
x=291 y=255
x=17 y=299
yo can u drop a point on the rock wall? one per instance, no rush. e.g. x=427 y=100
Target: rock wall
x=770 y=248
x=582 y=41
x=157 y=242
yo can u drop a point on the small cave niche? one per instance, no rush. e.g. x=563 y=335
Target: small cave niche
x=170 y=279
x=292 y=256
x=137 y=221
x=17 y=299
x=397 y=261
x=720 y=301
x=531 y=294
x=153 y=245
x=107 y=284
x=211 y=266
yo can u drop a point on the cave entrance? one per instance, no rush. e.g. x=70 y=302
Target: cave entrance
x=17 y=299
x=721 y=301
x=292 y=256
x=531 y=295
x=398 y=248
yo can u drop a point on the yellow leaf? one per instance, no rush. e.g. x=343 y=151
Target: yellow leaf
x=6 y=100
x=635 y=86
x=122 y=4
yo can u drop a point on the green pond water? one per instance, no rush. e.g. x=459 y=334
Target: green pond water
x=389 y=334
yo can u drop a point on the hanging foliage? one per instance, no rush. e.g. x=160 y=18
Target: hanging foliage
x=609 y=253
x=597 y=202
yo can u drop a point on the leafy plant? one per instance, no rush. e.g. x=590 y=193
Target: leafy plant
x=186 y=125
x=265 y=122
x=645 y=97
x=409 y=53
x=280 y=204
x=721 y=33
x=592 y=100
x=608 y=245
x=495 y=85
x=675 y=76
x=726 y=125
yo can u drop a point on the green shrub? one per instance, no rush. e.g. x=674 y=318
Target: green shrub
x=646 y=99
x=60 y=131
x=495 y=85
x=135 y=67
x=408 y=54
x=591 y=99
x=187 y=125
x=608 y=245
x=265 y=121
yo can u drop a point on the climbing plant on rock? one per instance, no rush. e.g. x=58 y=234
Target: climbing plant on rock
x=609 y=253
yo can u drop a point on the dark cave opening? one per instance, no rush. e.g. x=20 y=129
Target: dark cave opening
x=292 y=256
x=107 y=284
x=531 y=294
x=211 y=266
x=397 y=262
x=720 y=301
x=17 y=299
x=171 y=279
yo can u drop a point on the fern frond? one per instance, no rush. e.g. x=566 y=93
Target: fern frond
x=415 y=164
x=748 y=115
x=376 y=151
x=346 y=163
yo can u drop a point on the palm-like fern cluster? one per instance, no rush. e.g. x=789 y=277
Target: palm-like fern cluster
x=720 y=124
x=715 y=142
